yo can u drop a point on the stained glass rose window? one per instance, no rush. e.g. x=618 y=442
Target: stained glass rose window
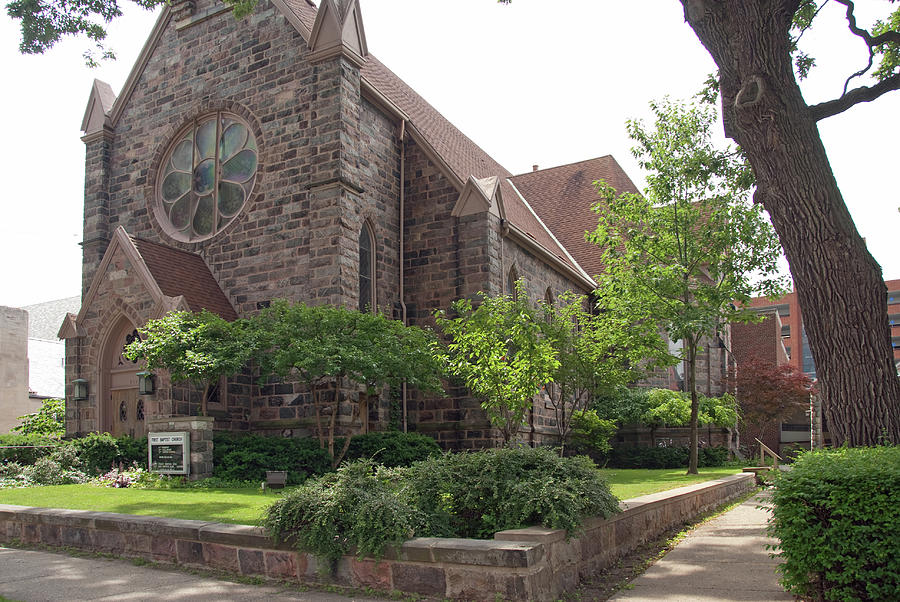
x=206 y=177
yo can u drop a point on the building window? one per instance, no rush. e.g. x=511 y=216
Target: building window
x=895 y=342
x=206 y=177
x=787 y=350
x=894 y=319
x=217 y=393
x=893 y=297
x=366 y=269
x=786 y=331
x=511 y=278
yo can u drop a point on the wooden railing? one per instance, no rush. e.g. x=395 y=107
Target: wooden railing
x=765 y=450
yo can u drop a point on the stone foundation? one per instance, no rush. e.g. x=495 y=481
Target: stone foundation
x=521 y=564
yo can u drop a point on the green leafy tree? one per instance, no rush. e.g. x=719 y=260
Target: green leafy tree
x=48 y=421
x=692 y=250
x=196 y=347
x=498 y=350
x=595 y=353
x=756 y=46
x=324 y=345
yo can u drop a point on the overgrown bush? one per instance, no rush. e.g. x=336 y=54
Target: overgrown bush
x=392 y=448
x=48 y=421
x=837 y=516
x=247 y=457
x=358 y=507
x=665 y=457
x=476 y=494
x=367 y=507
x=591 y=434
x=25 y=449
x=100 y=452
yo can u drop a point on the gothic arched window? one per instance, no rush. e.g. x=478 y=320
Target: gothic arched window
x=366 y=268
x=511 y=278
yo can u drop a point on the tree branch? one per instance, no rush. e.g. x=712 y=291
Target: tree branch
x=871 y=41
x=853 y=97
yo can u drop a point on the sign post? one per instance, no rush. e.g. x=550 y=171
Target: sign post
x=169 y=453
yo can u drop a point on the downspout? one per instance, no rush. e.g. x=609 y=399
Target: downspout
x=402 y=243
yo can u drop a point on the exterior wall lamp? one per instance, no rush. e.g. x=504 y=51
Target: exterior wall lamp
x=79 y=389
x=145 y=383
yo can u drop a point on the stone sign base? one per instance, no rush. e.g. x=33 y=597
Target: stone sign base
x=201 y=430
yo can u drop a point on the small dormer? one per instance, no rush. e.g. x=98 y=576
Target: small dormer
x=478 y=196
x=338 y=31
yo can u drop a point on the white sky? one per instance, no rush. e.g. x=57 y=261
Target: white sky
x=535 y=82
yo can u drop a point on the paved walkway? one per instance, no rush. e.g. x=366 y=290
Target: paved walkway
x=30 y=576
x=723 y=559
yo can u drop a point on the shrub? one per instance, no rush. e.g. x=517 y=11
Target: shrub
x=359 y=506
x=48 y=421
x=100 y=452
x=837 y=515
x=49 y=470
x=590 y=433
x=25 y=455
x=665 y=457
x=476 y=494
x=392 y=448
x=248 y=457
x=367 y=507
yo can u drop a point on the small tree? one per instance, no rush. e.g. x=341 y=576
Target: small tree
x=196 y=347
x=595 y=353
x=768 y=393
x=498 y=349
x=693 y=246
x=48 y=421
x=323 y=345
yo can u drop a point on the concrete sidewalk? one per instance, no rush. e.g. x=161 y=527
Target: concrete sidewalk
x=724 y=559
x=31 y=576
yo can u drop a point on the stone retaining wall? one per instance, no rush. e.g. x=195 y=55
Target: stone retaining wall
x=521 y=564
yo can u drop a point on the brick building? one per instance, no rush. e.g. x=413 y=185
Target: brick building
x=276 y=158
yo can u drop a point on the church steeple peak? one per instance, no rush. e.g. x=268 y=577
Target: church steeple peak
x=338 y=31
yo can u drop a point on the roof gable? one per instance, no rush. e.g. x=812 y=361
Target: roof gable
x=563 y=196
x=175 y=280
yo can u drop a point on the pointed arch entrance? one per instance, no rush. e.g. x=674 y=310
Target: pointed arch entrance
x=122 y=410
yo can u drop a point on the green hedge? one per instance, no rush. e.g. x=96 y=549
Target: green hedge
x=665 y=457
x=837 y=516
x=367 y=507
x=244 y=457
x=99 y=452
x=25 y=455
x=392 y=448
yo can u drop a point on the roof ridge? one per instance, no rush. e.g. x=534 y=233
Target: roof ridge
x=546 y=169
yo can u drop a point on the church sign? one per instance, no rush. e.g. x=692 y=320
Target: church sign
x=169 y=452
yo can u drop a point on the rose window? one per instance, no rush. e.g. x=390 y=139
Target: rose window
x=206 y=177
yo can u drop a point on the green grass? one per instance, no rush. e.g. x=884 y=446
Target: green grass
x=634 y=482
x=245 y=506
x=240 y=506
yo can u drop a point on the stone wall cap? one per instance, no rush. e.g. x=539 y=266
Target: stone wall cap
x=487 y=552
x=679 y=492
x=532 y=534
x=244 y=536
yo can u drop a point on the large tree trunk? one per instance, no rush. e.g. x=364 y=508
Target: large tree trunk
x=840 y=286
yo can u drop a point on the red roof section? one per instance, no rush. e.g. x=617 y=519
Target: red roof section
x=181 y=273
x=562 y=197
x=462 y=155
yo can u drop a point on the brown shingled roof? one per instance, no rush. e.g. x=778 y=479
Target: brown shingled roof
x=181 y=273
x=461 y=154
x=562 y=197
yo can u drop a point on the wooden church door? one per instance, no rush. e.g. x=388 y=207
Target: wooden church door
x=124 y=411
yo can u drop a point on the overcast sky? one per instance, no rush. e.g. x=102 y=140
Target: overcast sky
x=536 y=82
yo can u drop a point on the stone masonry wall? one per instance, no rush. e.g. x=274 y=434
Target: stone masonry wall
x=521 y=564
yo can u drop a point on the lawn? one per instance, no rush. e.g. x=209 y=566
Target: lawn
x=244 y=506
x=633 y=482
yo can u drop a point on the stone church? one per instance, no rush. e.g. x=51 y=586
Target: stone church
x=275 y=157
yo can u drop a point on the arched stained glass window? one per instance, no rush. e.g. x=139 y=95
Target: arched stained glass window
x=206 y=177
x=366 y=269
